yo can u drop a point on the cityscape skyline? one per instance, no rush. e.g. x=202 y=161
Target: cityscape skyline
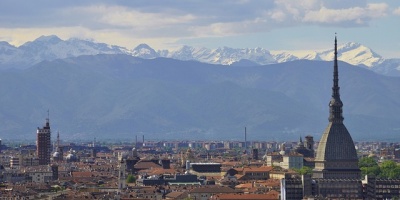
x=139 y=124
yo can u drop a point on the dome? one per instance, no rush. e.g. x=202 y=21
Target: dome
x=71 y=157
x=56 y=154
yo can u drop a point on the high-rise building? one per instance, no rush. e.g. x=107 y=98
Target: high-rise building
x=43 y=143
x=336 y=154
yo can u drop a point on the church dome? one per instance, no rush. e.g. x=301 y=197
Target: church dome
x=71 y=157
x=336 y=144
x=56 y=154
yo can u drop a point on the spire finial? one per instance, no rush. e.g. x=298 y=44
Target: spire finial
x=48 y=118
x=335 y=105
x=58 y=139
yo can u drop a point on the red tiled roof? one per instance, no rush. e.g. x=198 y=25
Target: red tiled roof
x=146 y=165
x=81 y=174
x=214 y=190
x=246 y=196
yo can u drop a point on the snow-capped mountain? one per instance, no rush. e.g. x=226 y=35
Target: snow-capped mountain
x=52 y=47
x=144 y=51
x=8 y=53
x=353 y=53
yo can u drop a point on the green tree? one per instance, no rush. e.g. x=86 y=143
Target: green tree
x=304 y=170
x=131 y=178
x=369 y=166
x=367 y=162
x=390 y=169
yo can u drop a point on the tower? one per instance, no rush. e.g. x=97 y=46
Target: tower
x=43 y=143
x=122 y=175
x=336 y=155
x=94 y=149
x=58 y=154
x=309 y=144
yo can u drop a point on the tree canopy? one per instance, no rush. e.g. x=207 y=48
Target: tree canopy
x=387 y=169
x=131 y=178
x=304 y=170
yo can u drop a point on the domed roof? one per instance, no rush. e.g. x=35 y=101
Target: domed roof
x=336 y=144
x=56 y=154
x=71 y=157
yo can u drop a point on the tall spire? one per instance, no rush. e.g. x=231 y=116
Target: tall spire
x=335 y=89
x=336 y=155
x=335 y=104
x=48 y=119
x=58 y=139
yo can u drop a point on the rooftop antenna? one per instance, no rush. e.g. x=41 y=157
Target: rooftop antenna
x=48 y=118
x=58 y=139
x=245 y=140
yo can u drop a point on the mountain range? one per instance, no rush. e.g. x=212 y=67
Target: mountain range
x=48 y=48
x=117 y=95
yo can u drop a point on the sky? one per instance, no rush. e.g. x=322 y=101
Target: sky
x=169 y=24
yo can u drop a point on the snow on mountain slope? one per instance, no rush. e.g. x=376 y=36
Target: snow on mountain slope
x=389 y=67
x=7 y=52
x=353 y=53
x=52 y=47
x=144 y=51
x=285 y=56
x=222 y=55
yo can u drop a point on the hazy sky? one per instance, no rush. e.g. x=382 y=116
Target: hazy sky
x=168 y=24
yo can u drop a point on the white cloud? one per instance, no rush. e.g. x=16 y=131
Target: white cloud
x=133 y=22
x=396 y=11
x=316 y=12
x=18 y=36
x=129 y=18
